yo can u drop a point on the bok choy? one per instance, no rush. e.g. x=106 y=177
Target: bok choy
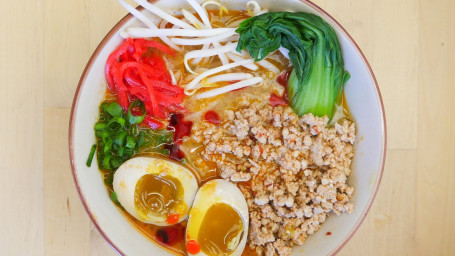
x=318 y=78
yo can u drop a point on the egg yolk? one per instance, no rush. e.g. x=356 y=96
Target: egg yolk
x=157 y=195
x=221 y=230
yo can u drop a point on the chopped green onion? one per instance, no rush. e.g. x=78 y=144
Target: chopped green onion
x=116 y=123
x=106 y=160
x=134 y=130
x=132 y=119
x=140 y=141
x=120 y=151
x=105 y=136
x=120 y=139
x=128 y=152
x=130 y=143
x=100 y=126
x=116 y=162
x=90 y=156
x=114 y=109
x=114 y=198
x=108 y=146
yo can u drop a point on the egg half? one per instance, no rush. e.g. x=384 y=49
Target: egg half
x=218 y=220
x=155 y=190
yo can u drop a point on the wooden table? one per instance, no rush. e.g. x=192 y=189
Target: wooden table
x=45 y=44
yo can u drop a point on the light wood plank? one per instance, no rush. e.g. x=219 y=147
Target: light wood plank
x=390 y=226
x=99 y=246
x=103 y=17
x=21 y=128
x=387 y=32
x=435 y=221
x=66 y=49
x=67 y=226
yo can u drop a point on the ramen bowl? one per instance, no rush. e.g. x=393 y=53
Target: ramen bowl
x=363 y=100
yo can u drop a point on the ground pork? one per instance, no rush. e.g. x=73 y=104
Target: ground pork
x=292 y=171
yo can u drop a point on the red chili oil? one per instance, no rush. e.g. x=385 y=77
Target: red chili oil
x=276 y=100
x=328 y=233
x=181 y=129
x=212 y=117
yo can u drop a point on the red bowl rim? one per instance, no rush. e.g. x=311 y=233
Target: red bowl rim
x=108 y=37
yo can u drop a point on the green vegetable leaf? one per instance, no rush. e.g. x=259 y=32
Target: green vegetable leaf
x=317 y=82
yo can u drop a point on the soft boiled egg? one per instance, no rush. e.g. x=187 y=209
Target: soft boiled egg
x=155 y=190
x=218 y=220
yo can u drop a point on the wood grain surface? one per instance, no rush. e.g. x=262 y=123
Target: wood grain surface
x=45 y=44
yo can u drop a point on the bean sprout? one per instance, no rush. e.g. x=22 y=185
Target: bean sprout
x=256 y=7
x=231 y=87
x=228 y=77
x=206 y=53
x=153 y=9
x=200 y=41
x=147 y=22
x=211 y=2
x=171 y=73
x=213 y=71
x=267 y=65
x=233 y=57
x=192 y=19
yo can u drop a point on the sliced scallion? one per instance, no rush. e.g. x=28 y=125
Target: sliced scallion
x=115 y=123
x=130 y=143
x=100 y=126
x=90 y=156
x=114 y=198
x=114 y=109
x=120 y=139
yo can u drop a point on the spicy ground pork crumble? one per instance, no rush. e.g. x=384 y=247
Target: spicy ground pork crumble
x=291 y=170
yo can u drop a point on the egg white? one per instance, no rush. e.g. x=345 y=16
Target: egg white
x=129 y=173
x=213 y=192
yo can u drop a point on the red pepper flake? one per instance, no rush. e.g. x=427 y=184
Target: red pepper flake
x=192 y=247
x=284 y=78
x=181 y=129
x=175 y=152
x=328 y=233
x=212 y=117
x=172 y=218
x=170 y=235
x=276 y=100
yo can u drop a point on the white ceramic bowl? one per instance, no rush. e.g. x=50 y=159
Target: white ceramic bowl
x=363 y=98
